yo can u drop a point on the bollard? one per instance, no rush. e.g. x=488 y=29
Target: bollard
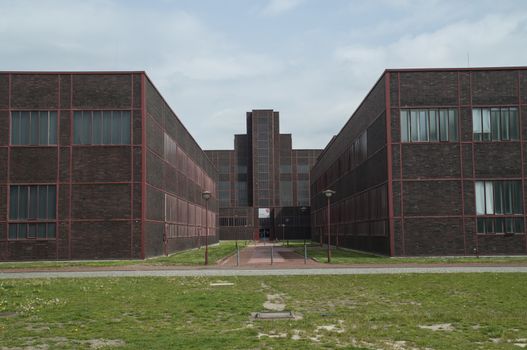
x=272 y=254
x=305 y=253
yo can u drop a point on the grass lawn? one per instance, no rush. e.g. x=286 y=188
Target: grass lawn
x=188 y=257
x=403 y=312
x=340 y=256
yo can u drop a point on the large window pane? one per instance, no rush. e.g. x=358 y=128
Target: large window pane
x=13 y=231
x=423 y=126
x=43 y=128
x=517 y=203
x=86 y=130
x=489 y=198
x=125 y=127
x=434 y=131
x=52 y=140
x=480 y=198
x=414 y=126
x=33 y=202
x=52 y=200
x=77 y=127
x=505 y=124
x=51 y=230
x=498 y=197
x=507 y=197
x=514 y=127
x=443 y=125
x=22 y=202
x=42 y=201
x=495 y=124
x=15 y=128
x=116 y=128
x=24 y=128
x=476 y=124
x=452 y=125
x=13 y=202
x=404 y=126
x=34 y=128
x=41 y=231
x=97 y=128
x=485 y=124
x=107 y=128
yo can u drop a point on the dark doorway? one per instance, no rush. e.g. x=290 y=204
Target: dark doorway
x=264 y=234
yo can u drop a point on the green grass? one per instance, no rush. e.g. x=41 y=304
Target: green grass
x=188 y=257
x=197 y=256
x=484 y=311
x=345 y=256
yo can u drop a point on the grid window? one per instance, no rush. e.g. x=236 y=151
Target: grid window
x=101 y=128
x=497 y=204
x=495 y=124
x=428 y=125
x=34 y=128
x=31 y=208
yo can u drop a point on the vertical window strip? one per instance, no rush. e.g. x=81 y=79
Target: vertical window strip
x=495 y=124
x=429 y=125
x=34 y=128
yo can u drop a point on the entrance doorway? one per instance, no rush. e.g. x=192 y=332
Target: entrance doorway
x=264 y=234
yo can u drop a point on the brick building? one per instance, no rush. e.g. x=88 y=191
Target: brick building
x=263 y=186
x=97 y=165
x=431 y=163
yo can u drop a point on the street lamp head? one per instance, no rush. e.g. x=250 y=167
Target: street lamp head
x=205 y=195
x=303 y=209
x=328 y=193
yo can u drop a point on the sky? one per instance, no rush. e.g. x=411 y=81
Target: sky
x=314 y=61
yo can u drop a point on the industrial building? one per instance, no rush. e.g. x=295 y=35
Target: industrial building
x=263 y=187
x=432 y=162
x=97 y=166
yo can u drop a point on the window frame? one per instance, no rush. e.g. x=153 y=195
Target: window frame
x=429 y=125
x=33 y=128
x=489 y=218
x=84 y=119
x=503 y=124
x=31 y=216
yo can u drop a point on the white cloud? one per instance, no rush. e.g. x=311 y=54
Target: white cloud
x=213 y=63
x=278 y=7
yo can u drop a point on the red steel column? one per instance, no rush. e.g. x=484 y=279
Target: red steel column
x=143 y=164
x=460 y=142
x=522 y=155
x=389 y=161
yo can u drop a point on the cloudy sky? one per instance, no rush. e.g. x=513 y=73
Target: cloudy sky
x=213 y=60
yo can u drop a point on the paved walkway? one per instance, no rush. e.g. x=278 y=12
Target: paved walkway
x=259 y=255
x=255 y=260
x=262 y=272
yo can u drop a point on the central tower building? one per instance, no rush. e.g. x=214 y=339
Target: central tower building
x=263 y=183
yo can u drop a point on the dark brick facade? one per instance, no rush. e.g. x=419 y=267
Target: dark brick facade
x=110 y=198
x=430 y=185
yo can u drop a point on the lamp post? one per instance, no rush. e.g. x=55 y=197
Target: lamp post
x=206 y=196
x=328 y=193
x=283 y=236
x=303 y=212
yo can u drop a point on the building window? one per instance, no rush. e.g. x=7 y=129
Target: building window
x=495 y=124
x=31 y=208
x=498 y=203
x=101 y=128
x=34 y=128
x=302 y=168
x=286 y=193
x=429 y=125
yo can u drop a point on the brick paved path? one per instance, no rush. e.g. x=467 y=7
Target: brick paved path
x=259 y=255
